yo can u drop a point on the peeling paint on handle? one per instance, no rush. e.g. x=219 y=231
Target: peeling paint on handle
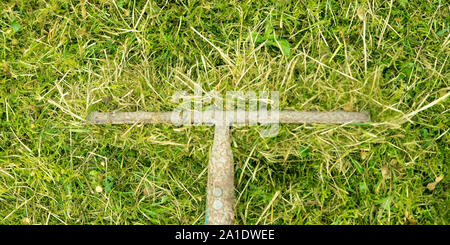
x=220 y=195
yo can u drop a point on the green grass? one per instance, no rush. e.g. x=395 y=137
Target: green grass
x=62 y=59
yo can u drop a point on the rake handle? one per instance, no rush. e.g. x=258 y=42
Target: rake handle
x=220 y=194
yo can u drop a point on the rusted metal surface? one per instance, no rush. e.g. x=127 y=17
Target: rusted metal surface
x=128 y=117
x=210 y=117
x=332 y=117
x=220 y=196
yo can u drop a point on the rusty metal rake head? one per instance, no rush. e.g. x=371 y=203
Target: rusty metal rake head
x=220 y=193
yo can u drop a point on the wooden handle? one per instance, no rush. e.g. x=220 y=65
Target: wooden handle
x=220 y=197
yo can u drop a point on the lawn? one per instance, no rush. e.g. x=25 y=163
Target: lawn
x=60 y=60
